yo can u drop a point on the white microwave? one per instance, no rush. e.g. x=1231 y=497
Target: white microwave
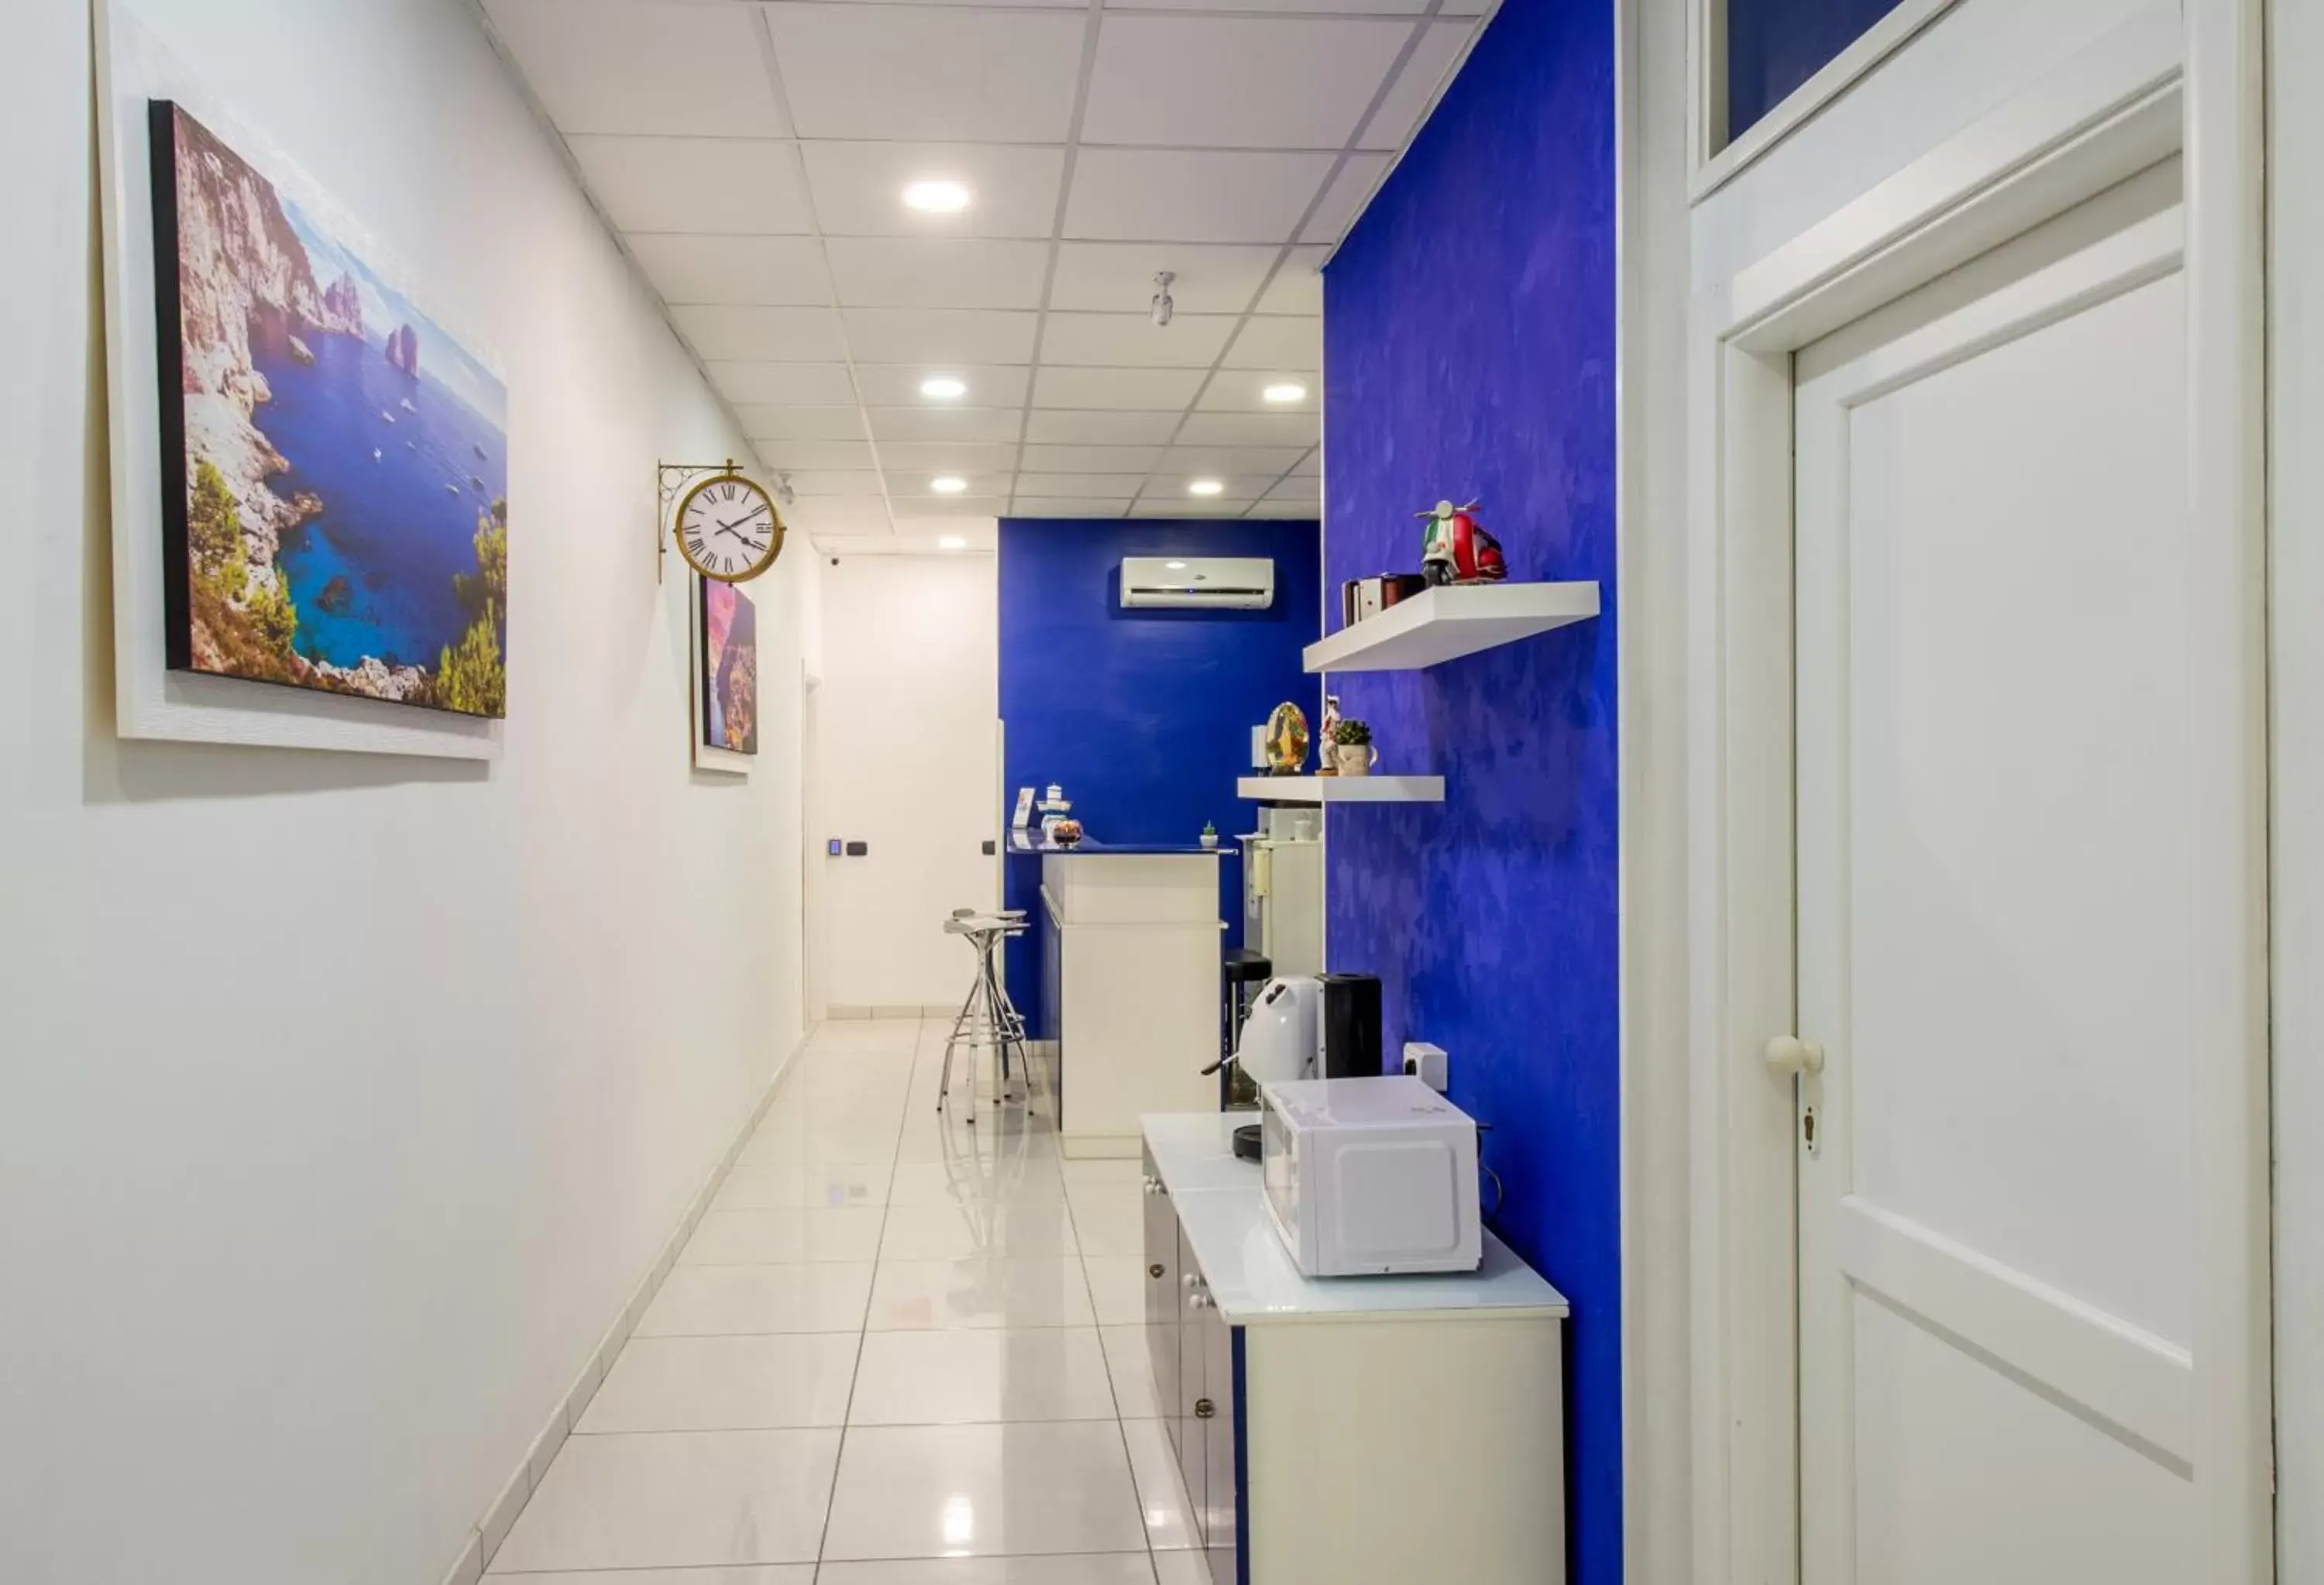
x=1368 y=1177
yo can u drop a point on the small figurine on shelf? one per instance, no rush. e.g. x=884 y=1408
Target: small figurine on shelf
x=1287 y=740
x=1351 y=748
x=1329 y=734
x=1456 y=549
x=1055 y=809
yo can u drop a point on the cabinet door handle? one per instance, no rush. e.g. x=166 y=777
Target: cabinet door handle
x=1155 y=1272
x=1204 y=1409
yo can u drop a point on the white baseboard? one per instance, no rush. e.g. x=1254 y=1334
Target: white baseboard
x=486 y=1539
x=838 y=1012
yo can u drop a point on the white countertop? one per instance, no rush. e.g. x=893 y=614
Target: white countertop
x=1250 y=1275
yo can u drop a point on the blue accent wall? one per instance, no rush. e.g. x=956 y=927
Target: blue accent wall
x=1773 y=46
x=1469 y=352
x=1144 y=716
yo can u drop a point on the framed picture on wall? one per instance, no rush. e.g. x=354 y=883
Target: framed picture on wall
x=310 y=466
x=727 y=678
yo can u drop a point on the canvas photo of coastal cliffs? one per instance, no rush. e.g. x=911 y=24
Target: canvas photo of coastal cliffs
x=335 y=462
x=730 y=669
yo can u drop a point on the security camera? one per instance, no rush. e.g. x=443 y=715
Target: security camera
x=1162 y=303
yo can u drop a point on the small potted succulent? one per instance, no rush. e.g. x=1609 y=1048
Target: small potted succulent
x=1352 y=747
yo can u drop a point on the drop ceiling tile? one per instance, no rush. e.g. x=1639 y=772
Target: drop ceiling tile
x=783 y=272
x=1310 y=467
x=786 y=384
x=1147 y=389
x=1189 y=506
x=1118 y=488
x=915 y=510
x=1236 y=82
x=941 y=335
x=816 y=455
x=1298 y=287
x=1288 y=346
x=831 y=514
x=1190 y=341
x=898 y=384
x=1392 y=126
x=1268 y=461
x=1067 y=506
x=1304 y=510
x=1119 y=276
x=945 y=457
x=858 y=484
x=1089 y=459
x=1100 y=428
x=1309 y=492
x=1000 y=424
x=1191 y=195
x=938 y=272
x=858 y=187
x=725 y=185
x=912 y=490
x=1345 y=199
x=763 y=422
x=775 y=335
x=614 y=66
x=885 y=71
x=1208 y=428
x=1244 y=390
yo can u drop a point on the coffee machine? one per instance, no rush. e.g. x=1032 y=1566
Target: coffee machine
x=1312 y=1026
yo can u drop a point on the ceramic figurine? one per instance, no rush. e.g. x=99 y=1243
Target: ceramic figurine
x=1456 y=549
x=1287 y=740
x=1326 y=736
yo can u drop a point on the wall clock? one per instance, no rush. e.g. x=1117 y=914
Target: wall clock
x=727 y=528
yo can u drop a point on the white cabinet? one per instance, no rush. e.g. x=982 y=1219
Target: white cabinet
x=1355 y=1431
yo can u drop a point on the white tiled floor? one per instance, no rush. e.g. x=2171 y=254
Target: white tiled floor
x=899 y=1351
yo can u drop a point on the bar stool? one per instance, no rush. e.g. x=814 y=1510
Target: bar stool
x=987 y=1017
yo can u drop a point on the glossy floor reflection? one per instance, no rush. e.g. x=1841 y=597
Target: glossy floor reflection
x=899 y=1351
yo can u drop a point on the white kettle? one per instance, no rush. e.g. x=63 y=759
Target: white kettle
x=1282 y=1037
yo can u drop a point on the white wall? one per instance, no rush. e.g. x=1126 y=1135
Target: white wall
x=347 y=1097
x=2296 y=373
x=908 y=761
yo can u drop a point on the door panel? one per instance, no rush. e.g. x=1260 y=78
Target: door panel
x=2002 y=941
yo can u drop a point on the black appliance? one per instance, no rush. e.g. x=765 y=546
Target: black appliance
x=1352 y=1026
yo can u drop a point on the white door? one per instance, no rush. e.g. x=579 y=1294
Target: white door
x=906 y=721
x=2018 y=901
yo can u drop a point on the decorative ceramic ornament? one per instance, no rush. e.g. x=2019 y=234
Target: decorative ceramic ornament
x=1330 y=767
x=1287 y=740
x=1456 y=549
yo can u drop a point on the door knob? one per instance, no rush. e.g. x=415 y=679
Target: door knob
x=1788 y=1054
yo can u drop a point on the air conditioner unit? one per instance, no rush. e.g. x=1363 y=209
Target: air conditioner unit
x=1222 y=583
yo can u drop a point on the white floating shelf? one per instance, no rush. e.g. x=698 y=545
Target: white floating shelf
x=1343 y=789
x=1443 y=624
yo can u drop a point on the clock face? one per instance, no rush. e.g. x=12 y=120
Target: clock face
x=727 y=528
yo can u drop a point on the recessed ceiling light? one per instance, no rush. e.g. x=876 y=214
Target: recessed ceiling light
x=948 y=485
x=1174 y=566
x=951 y=542
x=1287 y=390
x=944 y=387
x=1205 y=488
x=937 y=198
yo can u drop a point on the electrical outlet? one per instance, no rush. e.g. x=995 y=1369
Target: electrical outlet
x=1427 y=1063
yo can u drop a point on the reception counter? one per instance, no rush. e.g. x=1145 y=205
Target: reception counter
x=1131 y=971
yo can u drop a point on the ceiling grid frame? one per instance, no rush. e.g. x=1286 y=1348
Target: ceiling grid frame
x=1226 y=206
